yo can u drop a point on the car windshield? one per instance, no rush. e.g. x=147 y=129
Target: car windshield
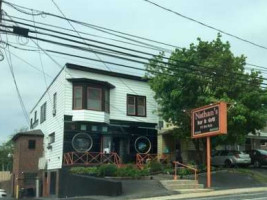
x=264 y=152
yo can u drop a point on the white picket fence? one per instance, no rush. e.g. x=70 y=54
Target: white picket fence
x=5 y=176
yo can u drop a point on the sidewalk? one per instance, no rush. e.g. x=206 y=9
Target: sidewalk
x=208 y=194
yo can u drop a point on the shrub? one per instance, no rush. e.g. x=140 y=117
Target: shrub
x=84 y=170
x=155 y=166
x=107 y=170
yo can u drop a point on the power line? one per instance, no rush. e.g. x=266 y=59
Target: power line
x=71 y=76
x=156 y=48
x=120 y=52
x=84 y=39
x=96 y=27
x=10 y=64
x=133 y=60
x=206 y=25
x=61 y=33
x=243 y=81
x=160 y=42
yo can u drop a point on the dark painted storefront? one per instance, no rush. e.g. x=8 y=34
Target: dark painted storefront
x=123 y=137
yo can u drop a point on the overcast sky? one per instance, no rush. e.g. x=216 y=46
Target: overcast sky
x=243 y=18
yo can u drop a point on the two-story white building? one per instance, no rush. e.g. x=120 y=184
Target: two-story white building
x=87 y=113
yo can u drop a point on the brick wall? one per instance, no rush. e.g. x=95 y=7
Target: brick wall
x=25 y=161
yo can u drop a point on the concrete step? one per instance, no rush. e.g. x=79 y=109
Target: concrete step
x=184 y=186
x=179 y=181
x=187 y=191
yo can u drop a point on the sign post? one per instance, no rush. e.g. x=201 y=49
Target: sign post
x=208 y=163
x=209 y=121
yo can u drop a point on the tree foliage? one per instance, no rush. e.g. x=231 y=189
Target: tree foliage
x=6 y=156
x=206 y=73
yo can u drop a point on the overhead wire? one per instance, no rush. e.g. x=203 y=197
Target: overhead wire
x=117 y=56
x=102 y=42
x=206 y=25
x=10 y=64
x=70 y=75
x=96 y=27
x=78 y=56
x=158 y=48
x=123 y=53
x=41 y=13
x=105 y=64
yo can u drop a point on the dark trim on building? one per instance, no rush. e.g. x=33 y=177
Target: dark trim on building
x=132 y=123
x=37 y=133
x=136 y=105
x=67 y=118
x=92 y=81
x=108 y=73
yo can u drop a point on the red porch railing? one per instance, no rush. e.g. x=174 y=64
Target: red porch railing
x=176 y=166
x=91 y=158
x=142 y=159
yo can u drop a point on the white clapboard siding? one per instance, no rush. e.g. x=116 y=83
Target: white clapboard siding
x=118 y=96
x=64 y=89
x=53 y=123
x=90 y=115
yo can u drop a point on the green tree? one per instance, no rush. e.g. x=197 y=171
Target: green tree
x=6 y=155
x=205 y=73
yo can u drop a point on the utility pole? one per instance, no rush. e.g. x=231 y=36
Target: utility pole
x=0 y=11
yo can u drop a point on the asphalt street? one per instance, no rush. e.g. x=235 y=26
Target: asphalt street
x=244 y=196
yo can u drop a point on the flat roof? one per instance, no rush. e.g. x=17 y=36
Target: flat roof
x=36 y=132
x=105 y=72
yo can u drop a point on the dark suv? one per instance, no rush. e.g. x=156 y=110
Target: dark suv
x=258 y=157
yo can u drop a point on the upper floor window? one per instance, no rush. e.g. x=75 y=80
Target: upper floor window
x=77 y=97
x=35 y=116
x=94 y=98
x=31 y=144
x=55 y=104
x=51 y=138
x=43 y=113
x=136 y=105
x=90 y=97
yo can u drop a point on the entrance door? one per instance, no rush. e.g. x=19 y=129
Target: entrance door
x=116 y=145
x=53 y=180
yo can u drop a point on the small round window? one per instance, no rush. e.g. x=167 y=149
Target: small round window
x=142 y=145
x=82 y=142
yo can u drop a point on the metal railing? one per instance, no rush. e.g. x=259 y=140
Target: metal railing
x=142 y=159
x=176 y=164
x=91 y=158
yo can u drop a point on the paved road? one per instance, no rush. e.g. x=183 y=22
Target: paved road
x=245 y=196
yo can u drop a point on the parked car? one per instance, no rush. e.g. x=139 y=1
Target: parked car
x=258 y=157
x=230 y=158
x=2 y=193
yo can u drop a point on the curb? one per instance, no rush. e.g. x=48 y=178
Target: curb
x=209 y=194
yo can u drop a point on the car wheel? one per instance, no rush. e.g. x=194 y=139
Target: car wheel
x=257 y=164
x=228 y=163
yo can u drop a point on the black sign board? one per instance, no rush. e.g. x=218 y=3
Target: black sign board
x=206 y=120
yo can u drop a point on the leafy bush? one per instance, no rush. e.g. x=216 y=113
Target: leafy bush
x=184 y=171
x=132 y=171
x=111 y=170
x=107 y=170
x=84 y=170
x=155 y=166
